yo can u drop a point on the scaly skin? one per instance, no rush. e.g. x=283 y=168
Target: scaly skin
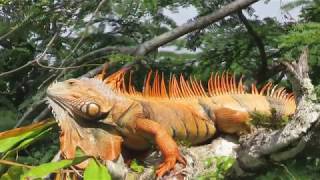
x=99 y=116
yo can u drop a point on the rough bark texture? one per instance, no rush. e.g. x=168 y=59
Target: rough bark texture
x=195 y=157
x=261 y=147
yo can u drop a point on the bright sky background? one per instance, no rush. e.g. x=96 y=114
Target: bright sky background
x=271 y=9
x=262 y=10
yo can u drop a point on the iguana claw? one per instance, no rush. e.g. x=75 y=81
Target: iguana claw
x=169 y=163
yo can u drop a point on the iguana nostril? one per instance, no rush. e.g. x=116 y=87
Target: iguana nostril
x=75 y=96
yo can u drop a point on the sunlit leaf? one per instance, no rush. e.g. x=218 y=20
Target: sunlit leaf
x=136 y=167
x=11 y=138
x=95 y=170
x=47 y=168
x=29 y=141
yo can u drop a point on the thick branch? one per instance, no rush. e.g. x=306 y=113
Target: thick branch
x=258 y=41
x=283 y=144
x=199 y=23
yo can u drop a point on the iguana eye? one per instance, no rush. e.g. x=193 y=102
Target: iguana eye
x=92 y=109
x=71 y=81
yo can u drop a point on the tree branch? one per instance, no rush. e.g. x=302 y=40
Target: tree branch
x=199 y=23
x=36 y=60
x=173 y=34
x=282 y=144
x=260 y=45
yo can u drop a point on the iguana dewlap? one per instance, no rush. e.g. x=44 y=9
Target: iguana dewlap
x=99 y=115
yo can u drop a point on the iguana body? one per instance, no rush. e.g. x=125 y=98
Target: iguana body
x=98 y=115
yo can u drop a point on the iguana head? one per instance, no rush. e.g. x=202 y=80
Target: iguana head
x=86 y=99
x=78 y=105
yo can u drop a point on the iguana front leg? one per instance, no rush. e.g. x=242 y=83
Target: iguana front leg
x=165 y=143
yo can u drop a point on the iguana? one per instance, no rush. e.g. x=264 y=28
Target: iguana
x=100 y=114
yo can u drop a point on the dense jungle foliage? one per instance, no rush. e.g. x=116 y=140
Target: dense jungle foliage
x=44 y=40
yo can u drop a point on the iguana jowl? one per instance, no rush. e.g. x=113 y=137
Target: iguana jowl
x=98 y=115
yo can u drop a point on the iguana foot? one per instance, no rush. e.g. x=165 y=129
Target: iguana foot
x=165 y=143
x=169 y=163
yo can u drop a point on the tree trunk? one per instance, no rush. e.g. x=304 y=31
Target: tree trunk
x=257 y=150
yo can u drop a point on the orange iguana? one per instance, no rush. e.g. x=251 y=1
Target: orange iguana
x=99 y=115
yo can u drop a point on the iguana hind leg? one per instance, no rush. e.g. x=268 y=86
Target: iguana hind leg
x=232 y=121
x=165 y=143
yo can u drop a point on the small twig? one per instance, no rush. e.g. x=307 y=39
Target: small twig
x=64 y=68
x=32 y=109
x=2 y=161
x=68 y=67
x=286 y=169
x=56 y=157
x=76 y=171
x=17 y=69
x=42 y=115
x=85 y=32
x=33 y=61
x=15 y=28
x=46 y=80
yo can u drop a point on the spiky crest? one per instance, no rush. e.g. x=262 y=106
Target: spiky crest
x=182 y=88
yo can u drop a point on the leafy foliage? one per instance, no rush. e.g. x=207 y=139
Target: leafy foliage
x=13 y=173
x=300 y=168
x=222 y=164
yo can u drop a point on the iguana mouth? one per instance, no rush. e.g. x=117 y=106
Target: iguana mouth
x=70 y=109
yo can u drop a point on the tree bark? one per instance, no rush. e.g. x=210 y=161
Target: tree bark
x=261 y=147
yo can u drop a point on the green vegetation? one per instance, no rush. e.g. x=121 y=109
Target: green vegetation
x=96 y=170
x=300 y=168
x=272 y=122
x=221 y=163
x=134 y=166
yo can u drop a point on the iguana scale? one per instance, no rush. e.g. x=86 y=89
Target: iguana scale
x=100 y=114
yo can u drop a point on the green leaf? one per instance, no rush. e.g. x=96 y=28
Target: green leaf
x=13 y=173
x=10 y=139
x=95 y=170
x=136 y=167
x=28 y=141
x=47 y=168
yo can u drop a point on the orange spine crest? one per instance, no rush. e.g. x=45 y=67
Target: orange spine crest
x=181 y=88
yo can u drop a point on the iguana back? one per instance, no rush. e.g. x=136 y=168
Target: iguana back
x=225 y=101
